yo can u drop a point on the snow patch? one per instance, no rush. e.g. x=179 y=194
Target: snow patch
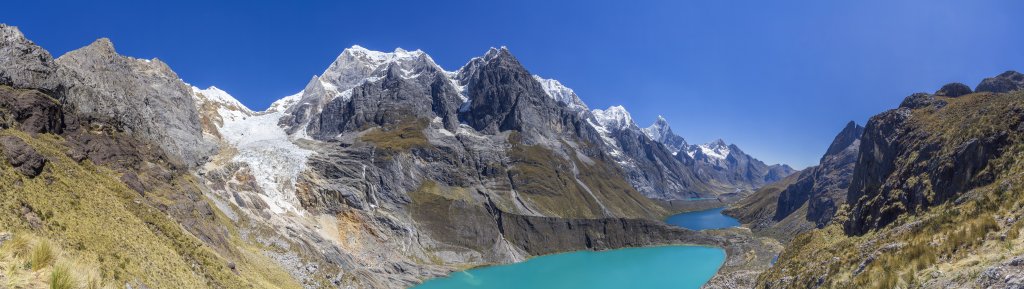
x=274 y=160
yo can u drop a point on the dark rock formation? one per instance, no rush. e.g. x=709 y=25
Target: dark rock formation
x=22 y=156
x=1005 y=82
x=132 y=181
x=30 y=111
x=954 y=89
x=910 y=161
x=920 y=100
x=504 y=96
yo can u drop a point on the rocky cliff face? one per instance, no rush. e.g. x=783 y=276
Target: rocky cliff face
x=807 y=199
x=927 y=204
x=824 y=187
x=141 y=97
x=904 y=152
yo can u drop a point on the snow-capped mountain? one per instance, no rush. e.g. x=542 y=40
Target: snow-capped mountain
x=561 y=93
x=718 y=162
x=380 y=162
x=615 y=117
x=661 y=132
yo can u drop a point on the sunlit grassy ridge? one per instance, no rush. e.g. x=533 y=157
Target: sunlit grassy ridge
x=89 y=212
x=951 y=240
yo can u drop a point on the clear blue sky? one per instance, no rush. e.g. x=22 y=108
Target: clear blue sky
x=777 y=78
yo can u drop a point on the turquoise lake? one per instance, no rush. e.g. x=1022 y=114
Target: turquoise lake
x=703 y=220
x=675 y=267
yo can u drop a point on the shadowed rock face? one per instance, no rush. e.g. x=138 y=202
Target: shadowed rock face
x=1005 y=82
x=504 y=96
x=904 y=144
x=142 y=97
x=30 y=111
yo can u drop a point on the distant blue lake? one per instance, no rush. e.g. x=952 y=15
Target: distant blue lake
x=675 y=267
x=703 y=220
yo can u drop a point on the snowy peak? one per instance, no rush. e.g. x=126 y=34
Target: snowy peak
x=357 y=64
x=216 y=95
x=716 y=149
x=615 y=117
x=659 y=130
x=561 y=93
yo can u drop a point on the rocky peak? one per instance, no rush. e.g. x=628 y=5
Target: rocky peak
x=659 y=129
x=102 y=46
x=846 y=138
x=717 y=149
x=24 y=64
x=502 y=95
x=143 y=97
x=357 y=64
x=1004 y=82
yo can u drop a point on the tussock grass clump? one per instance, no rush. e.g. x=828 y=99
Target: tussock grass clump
x=42 y=255
x=60 y=278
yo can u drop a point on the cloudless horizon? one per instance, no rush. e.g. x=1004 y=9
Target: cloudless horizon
x=778 y=79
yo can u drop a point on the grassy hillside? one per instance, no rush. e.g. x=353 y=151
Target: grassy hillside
x=91 y=219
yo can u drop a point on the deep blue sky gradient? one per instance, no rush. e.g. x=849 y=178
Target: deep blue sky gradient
x=777 y=78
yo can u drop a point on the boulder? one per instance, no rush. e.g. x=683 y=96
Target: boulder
x=954 y=89
x=132 y=181
x=23 y=157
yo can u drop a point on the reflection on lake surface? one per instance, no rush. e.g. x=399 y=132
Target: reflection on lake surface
x=703 y=220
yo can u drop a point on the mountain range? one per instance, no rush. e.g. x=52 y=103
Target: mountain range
x=386 y=170
x=382 y=171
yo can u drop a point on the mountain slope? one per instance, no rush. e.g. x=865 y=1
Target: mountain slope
x=933 y=201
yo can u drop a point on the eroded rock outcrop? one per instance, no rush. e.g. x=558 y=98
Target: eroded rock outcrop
x=30 y=110
x=23 y=157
